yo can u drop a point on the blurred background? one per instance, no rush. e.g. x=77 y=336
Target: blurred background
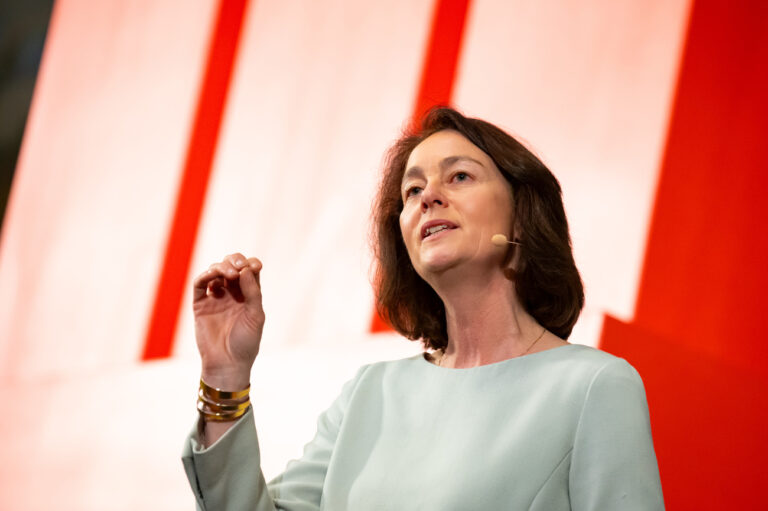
x=143 y=140
x=22 y=34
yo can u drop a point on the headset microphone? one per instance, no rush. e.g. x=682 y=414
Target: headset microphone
x=500 y=240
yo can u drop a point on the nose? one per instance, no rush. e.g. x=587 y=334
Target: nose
x=432 y=196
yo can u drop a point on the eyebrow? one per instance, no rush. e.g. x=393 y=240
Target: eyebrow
x=444 y=164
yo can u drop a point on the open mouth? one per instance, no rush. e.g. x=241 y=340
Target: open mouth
x=433 y=228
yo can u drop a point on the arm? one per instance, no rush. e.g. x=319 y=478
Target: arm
x=613 y=464
x=227 y=475
x=229 y=320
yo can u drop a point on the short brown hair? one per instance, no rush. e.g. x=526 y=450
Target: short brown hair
x=546 y=279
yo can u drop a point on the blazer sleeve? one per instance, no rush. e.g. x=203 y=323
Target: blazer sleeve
x=227 y=475
x=613 y=464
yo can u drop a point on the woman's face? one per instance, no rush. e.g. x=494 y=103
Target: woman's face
x=454 y=200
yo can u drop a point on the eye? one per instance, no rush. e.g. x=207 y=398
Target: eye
x=413 y=190
x=460 y=176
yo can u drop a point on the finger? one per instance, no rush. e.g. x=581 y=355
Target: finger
x=237 y=260
x=225 y=269
x=202 y=279
x=214 y=271
x=232 y=286
x=255 y=265
x=216 y=291
x=250 y=287
x=201 y=282
x=217 y=286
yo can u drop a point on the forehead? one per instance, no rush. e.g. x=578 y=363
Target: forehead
x=444 y=144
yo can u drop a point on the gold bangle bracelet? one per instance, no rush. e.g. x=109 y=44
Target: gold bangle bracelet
x=223 y=407
x=218 y=394
x=210 y=399
x=219 y=417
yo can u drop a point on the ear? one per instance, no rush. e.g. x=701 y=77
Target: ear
x=512 y=263
x=516 y=233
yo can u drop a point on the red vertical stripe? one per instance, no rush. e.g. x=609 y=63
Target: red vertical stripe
x=195 y=177
x=698 y=336
x=438 y=74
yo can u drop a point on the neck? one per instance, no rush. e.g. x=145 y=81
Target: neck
x=486 y=322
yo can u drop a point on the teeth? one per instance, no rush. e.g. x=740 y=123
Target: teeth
x=437 y=228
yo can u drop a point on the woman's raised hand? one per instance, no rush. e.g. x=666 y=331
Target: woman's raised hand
x=229 y=320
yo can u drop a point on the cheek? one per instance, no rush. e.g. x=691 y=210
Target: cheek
x=405 y=230
x=502 y=211
x=407 y=221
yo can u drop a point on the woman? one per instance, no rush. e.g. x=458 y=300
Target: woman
x=503 y=413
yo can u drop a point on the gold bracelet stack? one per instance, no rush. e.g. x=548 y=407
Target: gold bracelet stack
x=218 y=405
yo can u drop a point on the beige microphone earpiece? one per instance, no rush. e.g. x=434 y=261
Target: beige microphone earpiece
x=500 y=240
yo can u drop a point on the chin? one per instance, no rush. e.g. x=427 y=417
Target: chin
x=437 y=265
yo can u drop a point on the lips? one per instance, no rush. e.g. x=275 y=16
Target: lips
x=435 y=226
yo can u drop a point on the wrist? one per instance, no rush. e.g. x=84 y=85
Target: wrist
x=220 y=405
x=230 y=380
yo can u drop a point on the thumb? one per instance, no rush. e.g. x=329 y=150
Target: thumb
x=249 y=284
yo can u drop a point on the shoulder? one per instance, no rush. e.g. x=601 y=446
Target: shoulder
x=390 y=378
x=581 y=371
x=390 y=368
x=594 y=362
x=588 y=355
x=385 y=368
x=608 y=379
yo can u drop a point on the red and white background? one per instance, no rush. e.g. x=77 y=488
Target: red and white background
x=165 y=135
